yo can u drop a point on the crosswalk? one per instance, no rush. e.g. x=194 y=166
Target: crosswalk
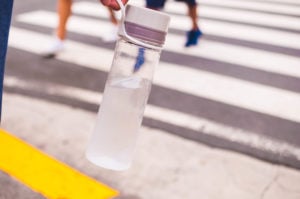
x=266 y=23
x=265 y=6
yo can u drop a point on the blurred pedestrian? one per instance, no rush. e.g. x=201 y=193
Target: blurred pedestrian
x=5 y=18
x=194 y=33
x=64 y=11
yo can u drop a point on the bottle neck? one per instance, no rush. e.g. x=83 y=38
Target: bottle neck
x=148 y=35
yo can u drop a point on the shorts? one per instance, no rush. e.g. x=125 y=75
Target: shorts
x=161 y=3
x=155 y=3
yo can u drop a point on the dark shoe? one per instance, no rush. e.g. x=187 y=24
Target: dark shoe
x=193 y=37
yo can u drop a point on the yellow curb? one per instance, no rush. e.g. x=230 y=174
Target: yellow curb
x=45 y=175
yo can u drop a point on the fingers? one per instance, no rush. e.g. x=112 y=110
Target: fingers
x=113 y=4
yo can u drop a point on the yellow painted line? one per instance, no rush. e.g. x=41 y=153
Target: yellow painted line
x=45 y=175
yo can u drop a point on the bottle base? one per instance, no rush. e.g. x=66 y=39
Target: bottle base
x=108 y=163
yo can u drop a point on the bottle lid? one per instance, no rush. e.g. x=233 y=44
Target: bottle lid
x=146 y=24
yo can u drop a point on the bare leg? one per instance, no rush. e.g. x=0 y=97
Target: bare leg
x=192 y=12
x=195 y=33
x=112 y=17
x=57 y=44
x=64 y=12
x=112 y=34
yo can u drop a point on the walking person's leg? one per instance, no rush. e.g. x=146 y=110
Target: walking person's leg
x=63 y=12
x=113 y=19
x=192 y=12
x=195 y=33
x=111 y=34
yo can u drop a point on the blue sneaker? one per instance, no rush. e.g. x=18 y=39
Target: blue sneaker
x=193 y=37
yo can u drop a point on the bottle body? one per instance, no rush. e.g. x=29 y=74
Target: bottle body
x=120 y=115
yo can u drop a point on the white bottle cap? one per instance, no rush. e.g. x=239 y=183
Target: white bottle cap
x=146 y=24
x=147 y=18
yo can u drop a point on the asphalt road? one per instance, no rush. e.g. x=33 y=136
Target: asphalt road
x=237 y=90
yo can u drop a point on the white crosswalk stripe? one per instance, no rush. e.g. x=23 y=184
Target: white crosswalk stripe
x=284 y=104
x=265 y=19
x=235 y=92
x=260 y=6
x=282 y=1
x=257 y=34
x=247 y=57
x=236 y=31
x=167 y=115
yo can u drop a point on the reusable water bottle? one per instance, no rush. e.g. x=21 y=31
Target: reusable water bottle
x=127 y=88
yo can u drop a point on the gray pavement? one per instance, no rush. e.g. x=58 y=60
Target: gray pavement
x=165 y=166
x=68 y=70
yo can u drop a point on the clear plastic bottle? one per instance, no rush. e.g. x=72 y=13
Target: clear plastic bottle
x=127 y=89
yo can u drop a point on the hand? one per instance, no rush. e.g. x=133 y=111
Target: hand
x=112 y=3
